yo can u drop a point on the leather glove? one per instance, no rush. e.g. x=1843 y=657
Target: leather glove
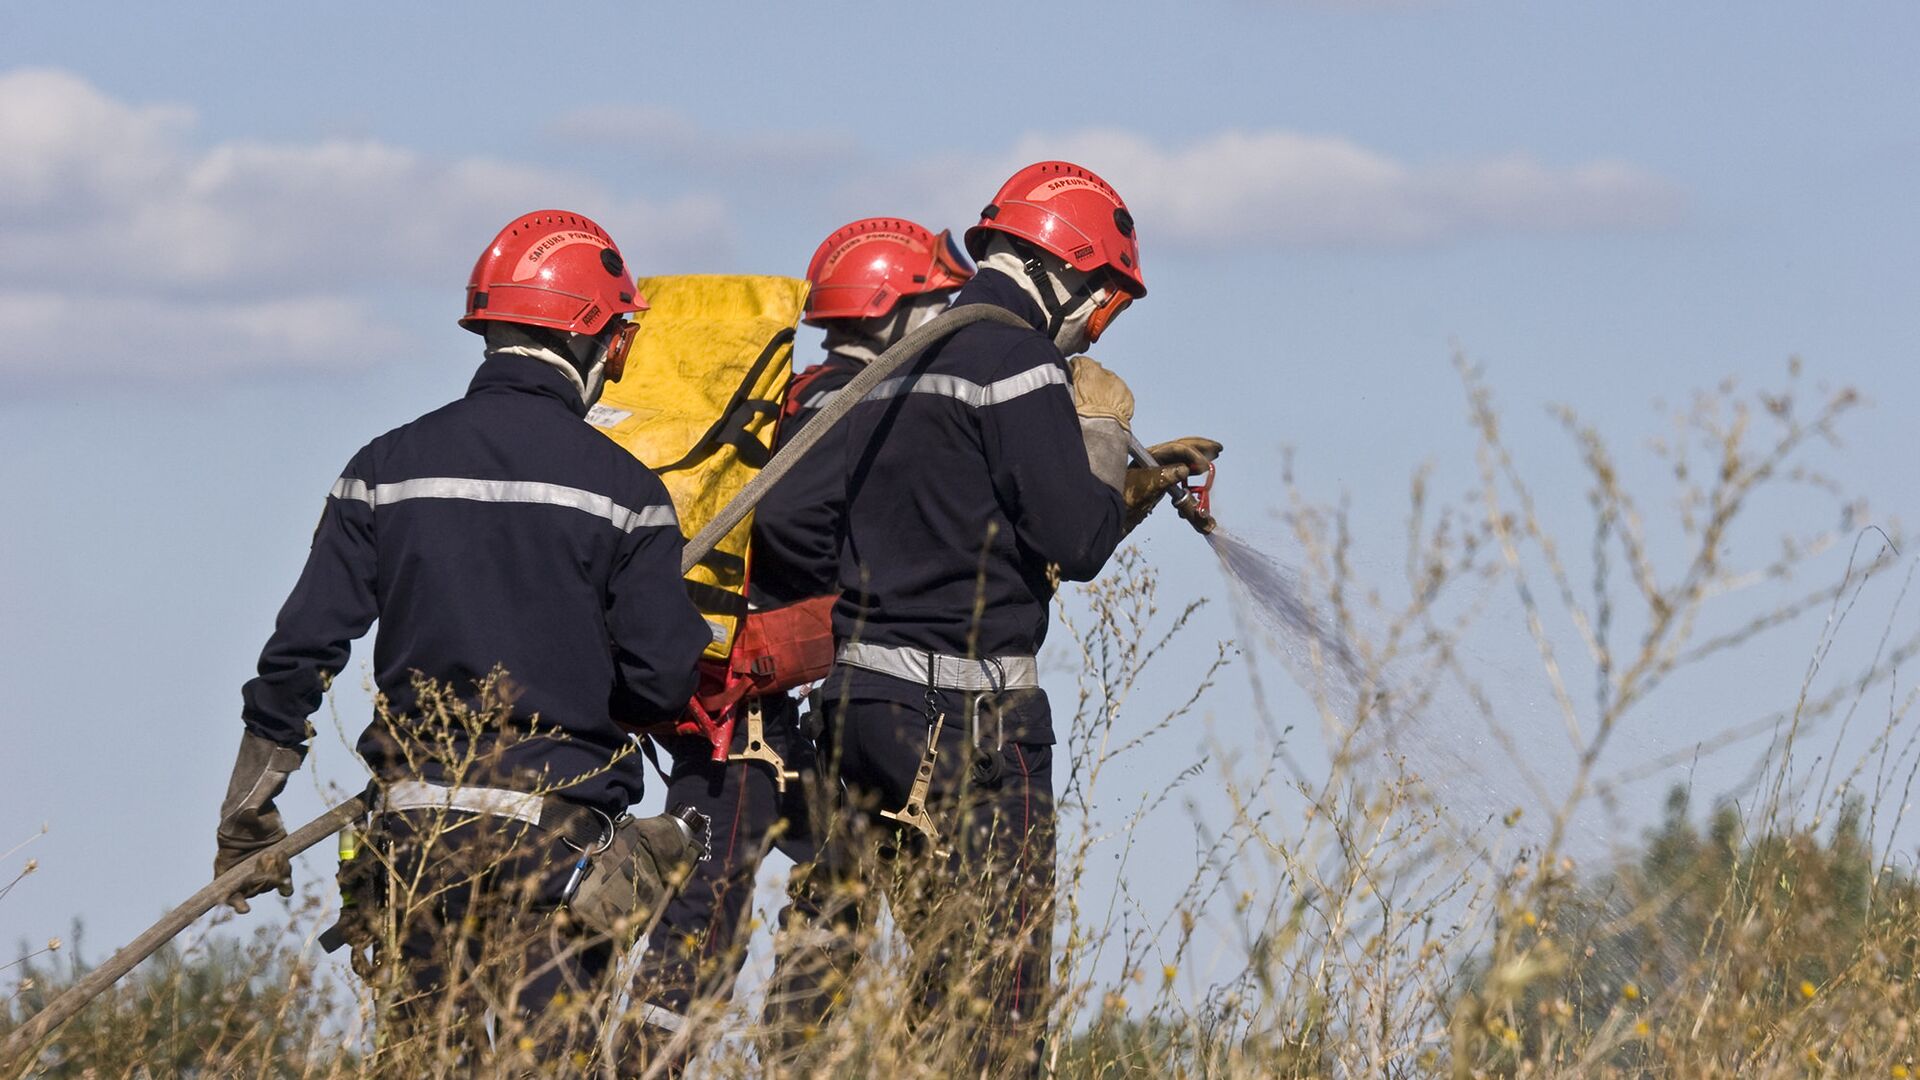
x=1105 y=406
x=249 y=821
x=1098 y=392
x=1178 y=460
x=1193 y=451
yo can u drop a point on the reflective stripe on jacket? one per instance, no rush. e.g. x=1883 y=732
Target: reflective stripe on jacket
x=967 y=476
x=497 y=531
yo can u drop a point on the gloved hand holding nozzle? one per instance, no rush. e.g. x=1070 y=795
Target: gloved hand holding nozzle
x=1166 y=465
x=1105 y=405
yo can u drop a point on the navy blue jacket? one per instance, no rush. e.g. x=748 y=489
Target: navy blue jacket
x=796 y=527
x=966 y=476
x=497 y=531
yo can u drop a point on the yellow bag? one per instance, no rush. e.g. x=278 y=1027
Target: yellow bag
x=702 y=392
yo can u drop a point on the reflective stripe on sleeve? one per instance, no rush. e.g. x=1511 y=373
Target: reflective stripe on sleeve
x=527 y=492
x=972 y=393
x=345 y=488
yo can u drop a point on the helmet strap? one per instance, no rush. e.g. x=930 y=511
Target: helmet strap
x=1058 y=311
x=1043 y=282
x=1045 y=279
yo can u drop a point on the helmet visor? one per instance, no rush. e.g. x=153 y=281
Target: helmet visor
x=1116 y=301
x=949 y=261
x=620 y=344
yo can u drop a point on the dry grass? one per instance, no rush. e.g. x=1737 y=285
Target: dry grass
x=1374 y=916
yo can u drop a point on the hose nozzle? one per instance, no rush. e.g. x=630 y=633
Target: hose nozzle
x=1192 y=499
x=1193 y=503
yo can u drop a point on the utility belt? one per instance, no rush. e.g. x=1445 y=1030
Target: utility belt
x=935 y=672
x=578 y=824
x=364 y=855
x=924 y=667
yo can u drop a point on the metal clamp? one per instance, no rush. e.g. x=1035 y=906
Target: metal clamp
x=914 y=814
x=757 y=748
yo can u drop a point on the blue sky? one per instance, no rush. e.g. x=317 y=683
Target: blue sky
x=235 y=238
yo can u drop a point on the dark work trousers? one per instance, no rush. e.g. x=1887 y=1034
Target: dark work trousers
x=697 y=950
x=980 y=921
x=476 y=901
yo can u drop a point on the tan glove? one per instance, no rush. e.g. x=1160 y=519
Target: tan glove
x=1105 y=406
x=1178 y=460
x=1098 y=392
x=249 y=821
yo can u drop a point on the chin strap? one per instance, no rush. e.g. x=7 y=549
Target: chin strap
x=1059 y=312
x=1043 y=282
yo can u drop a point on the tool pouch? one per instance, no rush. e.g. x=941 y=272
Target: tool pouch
x=362 y=879
x=632 y=879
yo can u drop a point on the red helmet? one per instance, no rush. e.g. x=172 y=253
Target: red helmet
x=551 y=268
x=864 y=269
x=1069 y=212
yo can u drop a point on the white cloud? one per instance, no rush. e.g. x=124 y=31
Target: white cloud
x=667 y=137
x=108 y=208
x=63 y=140
x=1248 y=191
x=1357 y=5
x=249 y=254
x=71 y=335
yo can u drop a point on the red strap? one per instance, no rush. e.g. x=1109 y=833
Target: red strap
x=797 y=391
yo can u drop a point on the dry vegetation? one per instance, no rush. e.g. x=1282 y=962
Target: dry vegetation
x=1377 y=923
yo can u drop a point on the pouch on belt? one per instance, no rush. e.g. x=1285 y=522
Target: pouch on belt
x=631 y=880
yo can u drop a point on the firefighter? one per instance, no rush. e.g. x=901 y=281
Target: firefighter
x=990 y=470
x=525 y=571
x=871 y=282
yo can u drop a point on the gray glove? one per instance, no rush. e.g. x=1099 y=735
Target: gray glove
x=631 y=880
x=249 y=821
